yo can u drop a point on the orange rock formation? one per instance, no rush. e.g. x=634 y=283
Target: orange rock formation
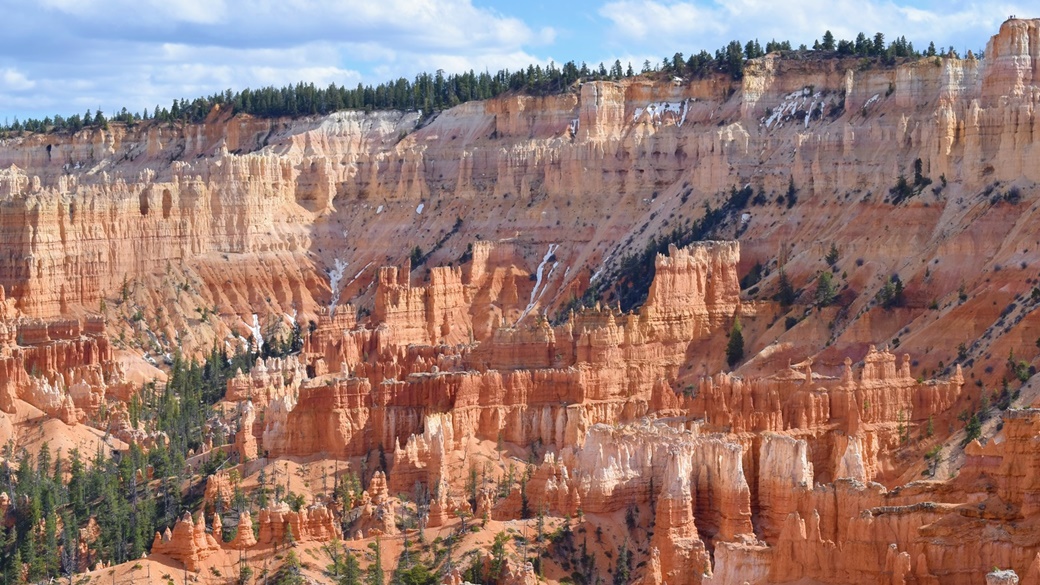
x=188 y=542
x=805 y=463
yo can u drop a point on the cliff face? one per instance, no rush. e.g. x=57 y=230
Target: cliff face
x=733 y=471
x=64 y=368
x=240 y=216
x=527 y=383
x=800 y=464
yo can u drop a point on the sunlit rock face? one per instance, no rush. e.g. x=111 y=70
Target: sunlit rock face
x=432 y=271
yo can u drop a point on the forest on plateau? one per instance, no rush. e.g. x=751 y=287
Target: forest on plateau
x=430 y=93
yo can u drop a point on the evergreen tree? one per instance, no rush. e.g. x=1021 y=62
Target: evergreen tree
x=623 y=566
x=417 y=574
x=825 y=291
x=832 y=255
x=791 y=197
x=69 y=552
x=973 y=430
x=290 y=571
x=734 y=60
x=15 y=570
x=735 y=347
x=374 y=573
x=786 y=294
x=345 y=569
x=879 y=44
x=288 y=539
x=498 y=556
x=891 y=295
x=861 y=44
x=828 y=42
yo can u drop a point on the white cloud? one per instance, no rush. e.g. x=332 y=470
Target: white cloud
x=647 y=19
x=166 y=49
x=142 y=12
x=685 y=26
x=15 y=80
x=407 y=23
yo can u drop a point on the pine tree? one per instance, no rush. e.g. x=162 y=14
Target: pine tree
x=345 y=568
x=498 y=556
x=973 y=430
x=289 y=573
x=734 y=60
x=735 y=347
x=792 y=193
x=828 y=41
x=374 y=572
x=69 y=550
x=623 y=568
x=786 y=294
x=861 y=44
x=825 y=291
x=289 y=540
x=832 y=255
x=879 y=44
x=15 y=572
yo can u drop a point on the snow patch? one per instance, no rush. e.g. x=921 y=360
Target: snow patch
x=538 y=280
x=358 y=275
x=335 y=276
x=379 y=210
x=656 y=112
x=547 y=279
x=257 y=336
x=420 y=208
x=873 y=99
x=790 y=105
x=603 y=267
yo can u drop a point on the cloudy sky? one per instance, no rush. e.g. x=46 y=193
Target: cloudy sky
x=65 y=56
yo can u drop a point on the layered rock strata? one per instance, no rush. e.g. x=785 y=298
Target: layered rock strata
x=240 y=228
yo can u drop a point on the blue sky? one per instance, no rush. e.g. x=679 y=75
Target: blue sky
x=66 y=56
